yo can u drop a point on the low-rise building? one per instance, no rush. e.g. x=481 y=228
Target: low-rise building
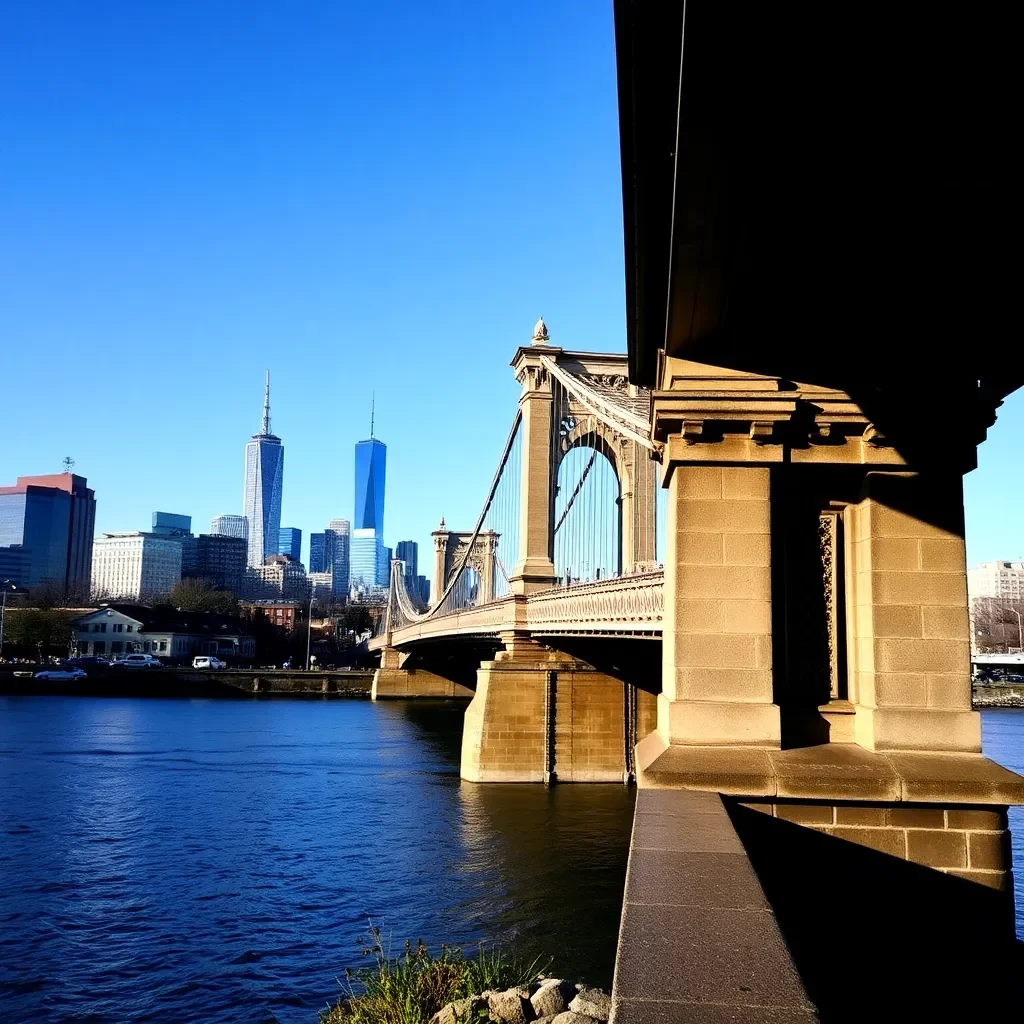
x=118 y=629
x=997 y=580
x=278 y=613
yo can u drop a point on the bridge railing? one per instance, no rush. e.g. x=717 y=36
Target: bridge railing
x=633 y=603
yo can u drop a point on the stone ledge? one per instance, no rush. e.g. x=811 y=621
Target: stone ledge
x=834 y=771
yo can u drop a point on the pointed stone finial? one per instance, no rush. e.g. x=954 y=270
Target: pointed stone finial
x=540 y=333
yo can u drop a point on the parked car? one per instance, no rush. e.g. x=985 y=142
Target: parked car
x=85 y=661
x=137 y=661
x=208 y=661
x=62 y=674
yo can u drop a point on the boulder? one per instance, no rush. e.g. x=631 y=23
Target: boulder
x=571 y=1017
x=511 y=1006
x=592 y=1002
x=552 y=997
x=458 y=1012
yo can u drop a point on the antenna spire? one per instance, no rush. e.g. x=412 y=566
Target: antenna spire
x=373 y=409
x=266 y=407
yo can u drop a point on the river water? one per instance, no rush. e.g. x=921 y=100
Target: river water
x=218 y=861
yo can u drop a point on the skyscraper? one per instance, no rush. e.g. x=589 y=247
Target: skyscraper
x=368 y=561
x=264 y=474
x=135 y=566
x=339 y=532
x=329 y=552
x=290 y=542
x=408 y=551
x=230 y=526
x=52 y=519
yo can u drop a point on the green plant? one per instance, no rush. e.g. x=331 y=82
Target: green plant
x=411 y=988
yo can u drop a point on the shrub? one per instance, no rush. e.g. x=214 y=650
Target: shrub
x=411 y=988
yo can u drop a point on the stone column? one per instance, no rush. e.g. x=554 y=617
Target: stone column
x=717 y=639
x=534 y=569
x=909 y=635
x=437 y=583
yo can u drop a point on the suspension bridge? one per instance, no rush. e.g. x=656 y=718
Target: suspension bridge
x=559 y=576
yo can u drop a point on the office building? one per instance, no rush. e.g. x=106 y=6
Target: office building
x=279 y=578
x=53 y=518
x=230 y=526
x=264 y=476
x=996 y=579
x=371 y=462
x=368 y=560
x=15 y=564
x=329 y=551
x=134 y=566
x=339 y=534
x=222 y=560
x=407 y=551
x=169 y=524
x=321 y=586
x=290 y=542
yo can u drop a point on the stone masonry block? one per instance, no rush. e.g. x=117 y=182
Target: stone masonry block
x=806 y=814
x=985 y=819
x=745 y=483
x=853 y=814
x=945 y=622
x=717 y=684
x=725 y=516
x=943 y=555
x=696 y=616
x=883 y=521
x=924 y=588
x=917 y=817
x=937 y=849
x=699 y=548
x=719 y=650
x=989 y=851
x=698 y=481
x=922 y=655
x=895 y=553
x=899 y=621
x=722 y=582
x=886 y=840
x=747 y=617
x=901 y=689
x=950 y=690
x=1001 y=880
x=747 y=549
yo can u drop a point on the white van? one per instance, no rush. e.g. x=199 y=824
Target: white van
x=208 y=661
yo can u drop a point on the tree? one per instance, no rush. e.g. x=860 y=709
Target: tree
x=995 y=624
x=29 y=632
x=201 y=595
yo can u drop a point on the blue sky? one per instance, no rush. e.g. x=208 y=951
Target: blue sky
x=360 y=196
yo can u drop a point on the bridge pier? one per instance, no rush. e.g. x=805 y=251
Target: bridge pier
x=541 y=716
x=393 y=681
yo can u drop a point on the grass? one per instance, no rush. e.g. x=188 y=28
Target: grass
x=411 y=988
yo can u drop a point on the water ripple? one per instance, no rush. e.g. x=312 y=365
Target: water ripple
x=216 y=862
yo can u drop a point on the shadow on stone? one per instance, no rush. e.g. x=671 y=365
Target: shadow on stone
x=878 y=938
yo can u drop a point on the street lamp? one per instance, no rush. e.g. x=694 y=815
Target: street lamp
x=309 y=628
x=4 y=584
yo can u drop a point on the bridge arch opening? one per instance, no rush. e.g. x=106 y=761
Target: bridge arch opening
x=587 y=522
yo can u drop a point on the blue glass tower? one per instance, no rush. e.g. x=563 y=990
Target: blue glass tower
x=264 y=475
x=291 y=543
x=371 y=458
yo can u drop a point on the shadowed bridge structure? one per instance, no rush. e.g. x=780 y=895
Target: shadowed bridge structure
x=816 y=210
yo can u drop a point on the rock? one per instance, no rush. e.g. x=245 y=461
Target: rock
x=510 y=1007
x=552 y=997
x=592 y=1002
x=571 y=1017
x=545 y=1020
x=458 y=1012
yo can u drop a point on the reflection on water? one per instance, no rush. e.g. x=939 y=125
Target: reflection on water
x=1002 y=731
x=216 y=861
